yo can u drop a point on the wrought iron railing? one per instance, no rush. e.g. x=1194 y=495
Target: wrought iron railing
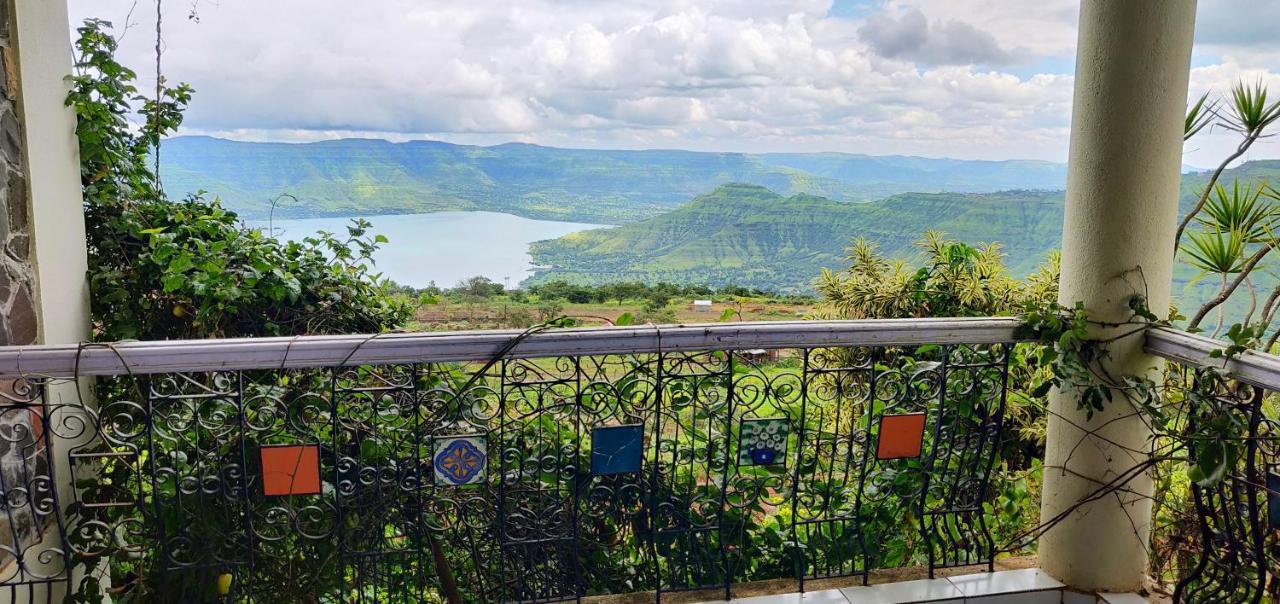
x=1236 y=518
x=501 y=466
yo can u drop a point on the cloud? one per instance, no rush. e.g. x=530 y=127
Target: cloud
x=1239 y=23
x=927 y=77
x=911 y=36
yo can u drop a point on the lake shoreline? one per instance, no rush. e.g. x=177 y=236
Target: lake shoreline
x=442 y=247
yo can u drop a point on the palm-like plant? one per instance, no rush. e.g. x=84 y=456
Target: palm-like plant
x=1240 y=224
x=1200 y=114
x=1216 y=252
x=1250 y=114
x=1248 y=209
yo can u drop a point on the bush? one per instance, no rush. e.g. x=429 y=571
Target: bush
x=162 y=269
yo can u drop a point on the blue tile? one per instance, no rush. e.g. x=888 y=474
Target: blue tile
x=617 y=449
x=763 y=441
x=460 y=460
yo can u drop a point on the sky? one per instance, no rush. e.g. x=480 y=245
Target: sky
x=971 y=79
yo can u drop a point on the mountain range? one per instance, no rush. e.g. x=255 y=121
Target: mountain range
x=361 y=177
x=768 y=220
x=752 y=236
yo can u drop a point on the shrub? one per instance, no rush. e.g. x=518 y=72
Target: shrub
x=162 y=269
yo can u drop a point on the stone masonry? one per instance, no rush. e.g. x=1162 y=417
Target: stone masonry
x=23 y=460
x=17 y=278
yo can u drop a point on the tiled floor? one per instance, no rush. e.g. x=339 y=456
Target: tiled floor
x=1025 y=586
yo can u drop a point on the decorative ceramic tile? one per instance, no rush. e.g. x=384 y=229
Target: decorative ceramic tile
x=763 y=441
x=901 y=436
x=617 y=449
x=1273 y=498
x=460 y=460
x=290 y=469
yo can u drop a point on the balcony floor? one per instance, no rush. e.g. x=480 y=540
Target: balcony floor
x=1021 y=586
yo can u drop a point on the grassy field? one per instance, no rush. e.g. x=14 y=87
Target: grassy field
x=504 y=313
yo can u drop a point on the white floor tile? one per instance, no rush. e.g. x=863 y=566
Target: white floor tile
x=906 y=592
x=1005 y=581
x=1072 y=597
x=1052 y=596
x=826 y=596
x=1122 y=599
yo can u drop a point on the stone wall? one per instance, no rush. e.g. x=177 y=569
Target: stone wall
x=17 y=277
x=23 y=462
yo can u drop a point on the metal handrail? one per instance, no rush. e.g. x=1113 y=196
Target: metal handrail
x=146 y=357
x=1252 y=367
x=124 y=358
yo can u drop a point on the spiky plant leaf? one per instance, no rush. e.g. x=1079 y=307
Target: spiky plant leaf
x=1215 y=251
x=1250 y=113
x=1200 y=114
x=1245 y=208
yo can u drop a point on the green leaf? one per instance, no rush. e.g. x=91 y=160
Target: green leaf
x=1042 y=389
x=1212 y=464
x=173 y=282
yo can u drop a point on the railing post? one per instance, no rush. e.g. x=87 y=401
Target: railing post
x=1132 y=68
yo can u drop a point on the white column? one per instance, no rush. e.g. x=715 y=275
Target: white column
x=1132 y=66
x=41 y=40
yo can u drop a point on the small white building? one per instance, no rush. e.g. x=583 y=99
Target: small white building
x=702 y=305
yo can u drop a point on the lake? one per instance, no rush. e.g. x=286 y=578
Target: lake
x=444 y=247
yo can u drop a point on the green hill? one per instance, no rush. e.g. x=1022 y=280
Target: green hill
x=749 y=235
x=361 y=177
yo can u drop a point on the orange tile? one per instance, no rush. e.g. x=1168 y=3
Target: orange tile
x=290 y=470
x=901 y=436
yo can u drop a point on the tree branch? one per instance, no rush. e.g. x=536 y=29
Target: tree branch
x=1269 y=308
x=1230 y=289
x=1213 y=180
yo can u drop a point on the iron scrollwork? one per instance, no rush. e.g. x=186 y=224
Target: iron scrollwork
x=172 y=480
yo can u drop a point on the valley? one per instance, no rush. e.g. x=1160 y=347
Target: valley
x=770 y=221
x=362 y=177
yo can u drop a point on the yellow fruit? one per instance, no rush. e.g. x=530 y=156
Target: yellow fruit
x=224 y=584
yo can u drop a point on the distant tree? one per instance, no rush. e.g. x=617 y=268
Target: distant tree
x=479 y=287
x=550 y=309
x=656 y=301
x=563 y=290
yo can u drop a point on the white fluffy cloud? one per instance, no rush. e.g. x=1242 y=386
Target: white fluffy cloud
x=912 y=36
x=966 y=78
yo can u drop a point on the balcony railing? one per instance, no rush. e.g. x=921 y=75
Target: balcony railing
x=1236 y=518
x=522 y=466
